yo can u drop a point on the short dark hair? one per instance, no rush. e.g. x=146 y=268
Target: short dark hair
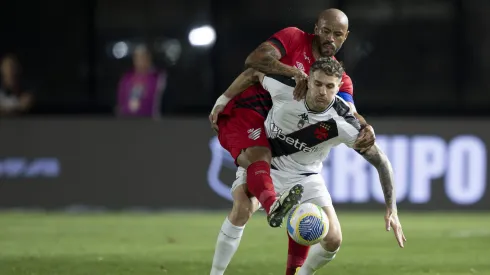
x=329 y=66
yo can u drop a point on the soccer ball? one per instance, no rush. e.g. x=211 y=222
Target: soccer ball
x=307 y=224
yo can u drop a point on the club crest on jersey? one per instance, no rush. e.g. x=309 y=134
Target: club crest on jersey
x=300 y=66
x=303 y=118
x=254 y=134
x=321 y=133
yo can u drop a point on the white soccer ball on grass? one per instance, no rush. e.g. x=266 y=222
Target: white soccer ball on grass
x=307 y=224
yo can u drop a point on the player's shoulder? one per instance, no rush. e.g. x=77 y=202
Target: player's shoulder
x=292 y=32
x=281 y=80
x=341 y=106
x=293 y=29
x=290 y=39
x=343 y=110
x=279 y=87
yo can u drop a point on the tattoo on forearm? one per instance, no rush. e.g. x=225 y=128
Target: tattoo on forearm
x=266 y=59
x=386 y=177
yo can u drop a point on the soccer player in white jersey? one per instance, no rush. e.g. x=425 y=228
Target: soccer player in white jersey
x=301 y=134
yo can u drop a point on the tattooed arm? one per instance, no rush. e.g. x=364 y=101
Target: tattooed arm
x=380 y=161
x=266 y=60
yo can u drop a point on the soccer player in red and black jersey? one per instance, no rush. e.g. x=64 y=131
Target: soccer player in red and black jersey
x=239 y=119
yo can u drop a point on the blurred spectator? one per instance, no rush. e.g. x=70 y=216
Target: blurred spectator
x=15 y=96
x=140 y=90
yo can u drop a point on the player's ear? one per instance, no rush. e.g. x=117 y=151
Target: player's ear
x=346 y=35
x=316 y=29
x=340 y=84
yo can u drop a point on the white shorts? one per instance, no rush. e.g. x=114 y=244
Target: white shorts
x=315 y=190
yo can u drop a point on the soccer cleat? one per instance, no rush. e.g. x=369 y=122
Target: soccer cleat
x=283 y=204
x=297 y=271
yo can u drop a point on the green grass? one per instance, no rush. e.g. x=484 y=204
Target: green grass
x=180 y=243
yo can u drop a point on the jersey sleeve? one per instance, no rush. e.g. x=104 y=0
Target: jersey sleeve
x=280 y=87
x=287 y=40
x=349 y=134
x=346 y=96
x=349 y=126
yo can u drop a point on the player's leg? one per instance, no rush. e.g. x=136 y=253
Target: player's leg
x=324 y=252
x=296 y=256
x=244 y=136
x=285 y=182
x=232 y=229
x=257 y=159
x=315 y=192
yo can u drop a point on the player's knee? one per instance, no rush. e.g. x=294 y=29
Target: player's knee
x=333 y=241
x=241 y=212
x=254 y=154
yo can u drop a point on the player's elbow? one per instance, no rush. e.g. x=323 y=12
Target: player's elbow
x=257 y=59
x=251 y=61
x=262 y=57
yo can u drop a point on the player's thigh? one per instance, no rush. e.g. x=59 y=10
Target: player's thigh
x=283 y=181
x=315 y=191
x=243 y=135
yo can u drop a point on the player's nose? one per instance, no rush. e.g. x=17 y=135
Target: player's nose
x=323 y=91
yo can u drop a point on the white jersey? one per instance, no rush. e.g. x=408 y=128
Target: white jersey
x=300 y=138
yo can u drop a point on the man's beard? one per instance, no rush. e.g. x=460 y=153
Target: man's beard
x=325 y=51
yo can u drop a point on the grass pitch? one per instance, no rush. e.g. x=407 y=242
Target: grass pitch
x=183 y=244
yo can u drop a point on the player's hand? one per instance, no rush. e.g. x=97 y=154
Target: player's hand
x=300 y=89
x=301 y=79
x=365 y=139
x=392 y=221
x=213 y=117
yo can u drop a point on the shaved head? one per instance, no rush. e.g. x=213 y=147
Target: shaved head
x=334 y=15
x=331 y=30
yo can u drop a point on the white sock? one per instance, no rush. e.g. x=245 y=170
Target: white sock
x=228 y=241
x=317 y=258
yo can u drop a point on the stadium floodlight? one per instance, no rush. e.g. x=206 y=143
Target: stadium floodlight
x=120 y=49
x=203 y=36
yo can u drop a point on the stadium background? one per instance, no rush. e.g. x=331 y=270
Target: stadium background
x=420 y=72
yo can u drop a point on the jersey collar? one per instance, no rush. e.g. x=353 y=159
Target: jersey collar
x=322 y=112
